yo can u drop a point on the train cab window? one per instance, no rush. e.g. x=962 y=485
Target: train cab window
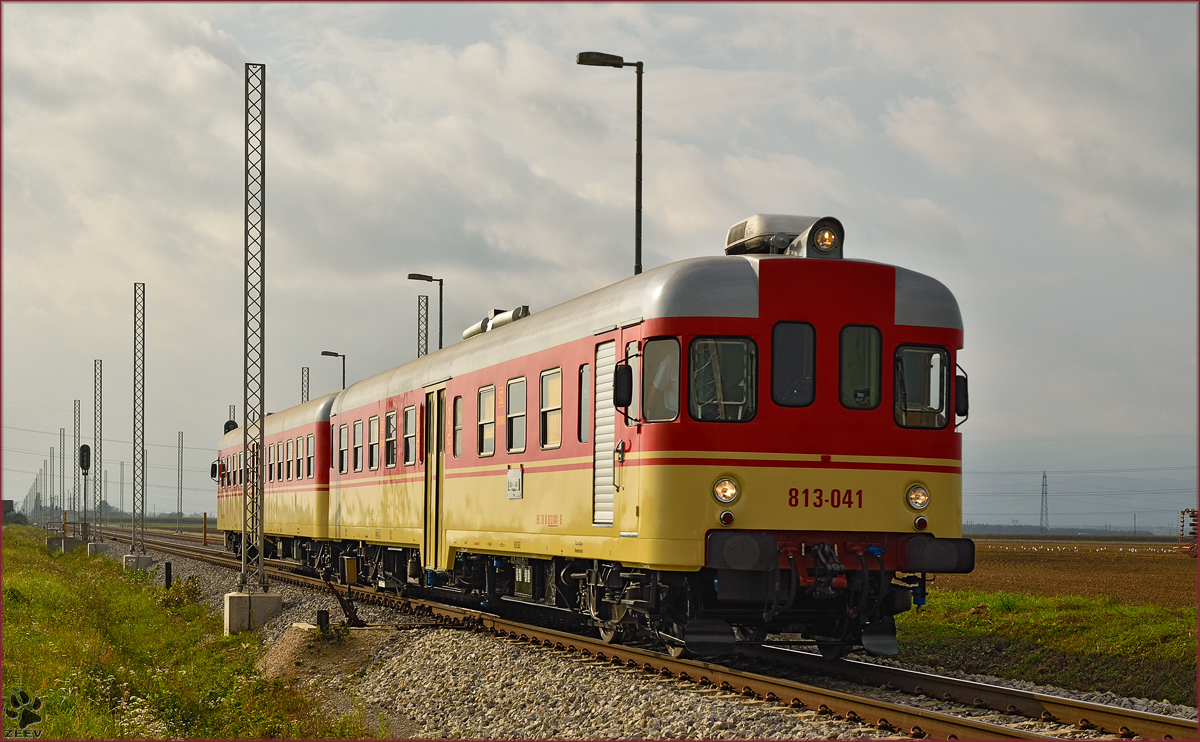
x=410 y=435
x=722 y=382
x=793 y=351
x=660 y=382
x=358 y=445
x=585 y=402
x=858 y=376
x=270 y=463
x=310 y=452
x=458 y=427
x=289 y=460
x=373 y=443
x=922 y=386
x=487 y=421
x=343 y=449
x=550 y=417
x=514 y=427
x=389 y=440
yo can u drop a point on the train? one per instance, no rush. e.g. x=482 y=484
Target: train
x=724 y=450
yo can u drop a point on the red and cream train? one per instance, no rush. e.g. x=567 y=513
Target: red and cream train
x=717 y=449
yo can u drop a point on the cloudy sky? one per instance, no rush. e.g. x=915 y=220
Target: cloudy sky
x=1038 y=159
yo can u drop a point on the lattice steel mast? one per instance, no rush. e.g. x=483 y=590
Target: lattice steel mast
x=179 y=500
x=75 y=472
x=137 y=540
x=50 y=480
x=303 y=384
x=98 y=431
x=422 y=325
x=62 y=470
x=252 y=574
x=1045 y=523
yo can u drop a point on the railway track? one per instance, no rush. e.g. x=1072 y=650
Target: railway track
x=917 y=705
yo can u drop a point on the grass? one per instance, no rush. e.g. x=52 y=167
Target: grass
x=113 y=656
x=1082 y=643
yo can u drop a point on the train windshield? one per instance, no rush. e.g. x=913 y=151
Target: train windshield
x=922 y=386
x=722 y=379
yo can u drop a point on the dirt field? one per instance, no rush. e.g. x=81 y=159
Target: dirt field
x=1132 y=573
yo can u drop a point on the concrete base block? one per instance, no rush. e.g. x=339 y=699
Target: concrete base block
x=94 y=549
x=138 y=561
x=54 y=543
x=71 y=544
x=248 y=611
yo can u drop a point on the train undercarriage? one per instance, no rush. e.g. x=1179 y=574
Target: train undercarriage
x=818 y=600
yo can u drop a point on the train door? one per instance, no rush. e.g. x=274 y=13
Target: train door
x=604 y=424
x=435 y=461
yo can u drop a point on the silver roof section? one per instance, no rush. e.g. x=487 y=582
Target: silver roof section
x=722 y=286
x=312 y=411
x=699 y=287
x=925 y=301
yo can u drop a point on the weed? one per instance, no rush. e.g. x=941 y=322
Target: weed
x=112 y=655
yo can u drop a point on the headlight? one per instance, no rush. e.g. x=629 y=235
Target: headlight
x=918 y=497
x=725 y=490
x=825 y=239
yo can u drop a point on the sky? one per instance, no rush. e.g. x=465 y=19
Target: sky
x=1038 y=159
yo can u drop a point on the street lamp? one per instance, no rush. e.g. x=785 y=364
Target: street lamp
x=599 y=59
x=333 y=354
x=423 y=277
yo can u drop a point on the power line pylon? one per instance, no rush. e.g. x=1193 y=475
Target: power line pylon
x=1045 y=506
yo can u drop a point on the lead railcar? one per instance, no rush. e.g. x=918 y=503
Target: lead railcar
x=711 y=451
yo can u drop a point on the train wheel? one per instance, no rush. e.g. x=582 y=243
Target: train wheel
x=611 y=634
x=747 y=634
x=831 y=649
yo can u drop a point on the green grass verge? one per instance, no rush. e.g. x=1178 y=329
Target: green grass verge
x=113 y=656
x=1071 y=642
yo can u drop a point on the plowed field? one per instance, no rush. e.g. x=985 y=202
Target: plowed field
x=1134 y=574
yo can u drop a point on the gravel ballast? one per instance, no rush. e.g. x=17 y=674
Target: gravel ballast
x=443 y=683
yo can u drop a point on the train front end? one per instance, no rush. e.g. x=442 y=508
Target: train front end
x=815 y=447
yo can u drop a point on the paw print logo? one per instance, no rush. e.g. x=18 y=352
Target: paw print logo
x=23 y=709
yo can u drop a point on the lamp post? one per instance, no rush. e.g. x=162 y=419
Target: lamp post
x=599 y=59
x=334 y=354
x=423 y=277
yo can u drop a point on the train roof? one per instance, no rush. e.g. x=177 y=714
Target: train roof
x=713 y=286
x=716 y=286
x=312 y=411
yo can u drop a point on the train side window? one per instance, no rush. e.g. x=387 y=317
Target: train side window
x=859 y=367
x=358 y=445
x=389 y=440
x=922 y=386
x=585 y=402
x=793 y=364
x=310 y=452
x=289 y=460
x=238 y=471
x=486 y=438
x=270 y=463
x=410 y=435
x=722 y=382
x=279 y=461
x=515 y=416
x=660 y=383
x=344 y=449
x=373 y=443
x=299 y=458
x=458 y=426
x=550 y=419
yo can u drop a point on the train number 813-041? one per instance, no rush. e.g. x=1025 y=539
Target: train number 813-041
x=817 y=498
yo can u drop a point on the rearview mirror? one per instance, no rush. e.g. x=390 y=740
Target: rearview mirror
x=960 y=396
x=212 y=471
x=623 y=385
